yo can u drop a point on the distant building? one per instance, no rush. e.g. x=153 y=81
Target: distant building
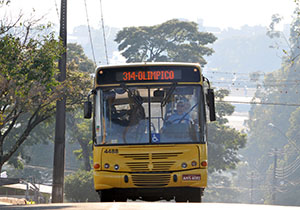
x=31 y=192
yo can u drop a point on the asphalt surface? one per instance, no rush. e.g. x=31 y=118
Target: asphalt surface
x=145 y=206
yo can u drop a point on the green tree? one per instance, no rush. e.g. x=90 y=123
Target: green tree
x=79 y=187
x=223 y=146
x=79 y=130
x=173 y=40
x=223 y=142
x=77 y=56
x=276 y=126
x=28 y=88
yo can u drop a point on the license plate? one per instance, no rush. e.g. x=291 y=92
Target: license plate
x=191 y=177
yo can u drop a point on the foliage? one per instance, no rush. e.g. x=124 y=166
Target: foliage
x=78 y=129
x=223 y=141
x=293 y=42
x=277 y=126
x=28 y=88
x=79 y=187
x=173 y=40
x=224 y=144
x=76 y=55
x=220 y=191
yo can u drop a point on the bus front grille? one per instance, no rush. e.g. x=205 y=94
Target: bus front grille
x=138 y=166
x=162 y=166
x=148 y=166
x=150 y=180
x=154 y=156
x=165 y=155
x=140 y=156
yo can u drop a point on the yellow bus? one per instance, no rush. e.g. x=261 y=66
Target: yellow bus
x=149 y=131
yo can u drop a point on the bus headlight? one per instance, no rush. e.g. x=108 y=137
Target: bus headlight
x=183 y=165
x=106 y=165
x=194 y=163
x=116 y=167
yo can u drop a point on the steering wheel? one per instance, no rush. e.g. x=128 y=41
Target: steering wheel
x=180 y=120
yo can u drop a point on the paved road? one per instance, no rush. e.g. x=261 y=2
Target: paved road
x=146 y=206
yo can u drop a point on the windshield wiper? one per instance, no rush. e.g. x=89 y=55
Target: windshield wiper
x=169 y=93
x=187 y=112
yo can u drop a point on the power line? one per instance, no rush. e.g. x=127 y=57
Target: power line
x=56 y=7
x=89 y=29
x=233 y=73
x=242 y=84
x=263 y=82
x=103 y=30
x=289 y=170
x=257 y=103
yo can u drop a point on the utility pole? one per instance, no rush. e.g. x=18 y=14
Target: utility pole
x=274 y=188
x=251 y=192
x=60 y=125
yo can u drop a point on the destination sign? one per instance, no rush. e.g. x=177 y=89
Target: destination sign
x=138 y=74
x=148 y=75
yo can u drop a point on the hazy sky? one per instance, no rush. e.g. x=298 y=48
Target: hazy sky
x=122 y=13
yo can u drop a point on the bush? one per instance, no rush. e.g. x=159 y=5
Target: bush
x=79 y=187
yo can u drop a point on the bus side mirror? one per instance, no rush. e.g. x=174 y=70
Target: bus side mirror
x=210 y=96
x=87 y=110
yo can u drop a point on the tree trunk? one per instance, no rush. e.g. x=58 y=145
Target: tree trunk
x=86 y=158
x=85 y=154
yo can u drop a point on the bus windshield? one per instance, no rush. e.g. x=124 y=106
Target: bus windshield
x=150 y=115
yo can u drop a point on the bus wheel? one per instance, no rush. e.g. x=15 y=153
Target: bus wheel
x=195 y=198
x=105 y=196
x=180 y=199
x=121 y=199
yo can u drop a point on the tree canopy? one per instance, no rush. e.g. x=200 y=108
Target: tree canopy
x=79 y=130
x=77 y=56
x=275 y=128
x=28 y=86
x=173 y=40
x=223 y=142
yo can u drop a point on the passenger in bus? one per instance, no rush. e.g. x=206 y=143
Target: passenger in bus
x=137 y=111
x=115 y=120
x=133 y=133
x=111 y=112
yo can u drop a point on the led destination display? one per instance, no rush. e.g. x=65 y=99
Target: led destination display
x=112 y=75
x=148 y=75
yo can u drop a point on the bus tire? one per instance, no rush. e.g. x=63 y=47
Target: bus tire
x=105 y=196
x=180 y=199
x=195 y=199
x=195 y=196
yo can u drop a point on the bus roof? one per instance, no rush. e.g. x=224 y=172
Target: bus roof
x=147 y=64
x=146 y=72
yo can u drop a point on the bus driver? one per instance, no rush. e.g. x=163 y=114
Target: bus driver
x=180 y=116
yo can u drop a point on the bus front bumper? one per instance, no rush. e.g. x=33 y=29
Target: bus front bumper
x=196 y=178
